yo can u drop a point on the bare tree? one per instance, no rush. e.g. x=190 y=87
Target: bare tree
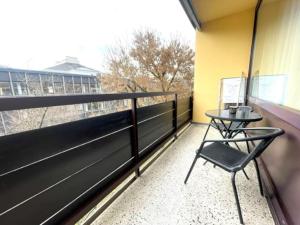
x=150 y=63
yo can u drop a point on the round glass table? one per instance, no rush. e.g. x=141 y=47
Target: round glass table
x=239 y=116
x=225 y=122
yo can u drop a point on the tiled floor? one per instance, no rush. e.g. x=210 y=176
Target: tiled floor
x=159 y=196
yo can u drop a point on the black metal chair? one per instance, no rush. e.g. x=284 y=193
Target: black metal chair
x=221 y=154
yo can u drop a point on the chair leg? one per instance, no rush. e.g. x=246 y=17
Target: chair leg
x=205 y=137
x=246 y=175
x=206 y=131
x=259 y=178
x=191 y=168
x=236 y=197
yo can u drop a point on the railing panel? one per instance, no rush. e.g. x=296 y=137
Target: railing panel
x=59 y=201
x=155 y=129
x=183 y=105
x=154 y=123
x=20 y=149
x=148 y=112
x=46 y=169
x=183 y=118
x=22 y=184
x=183 y=111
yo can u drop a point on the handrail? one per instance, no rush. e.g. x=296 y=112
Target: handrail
x=26 y=102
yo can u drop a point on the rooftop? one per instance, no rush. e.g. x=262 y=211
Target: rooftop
x=72 y=65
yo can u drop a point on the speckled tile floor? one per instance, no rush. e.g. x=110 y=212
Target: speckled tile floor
x=159 y=196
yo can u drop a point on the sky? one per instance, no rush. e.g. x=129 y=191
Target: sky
x=36 y=34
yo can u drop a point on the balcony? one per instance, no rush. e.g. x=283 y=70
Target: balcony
x=126 y=167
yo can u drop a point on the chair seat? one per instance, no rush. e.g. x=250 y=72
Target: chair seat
x=233 y=126
x=223 y=156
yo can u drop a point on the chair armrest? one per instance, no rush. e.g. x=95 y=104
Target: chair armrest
x=234 y=132
x=229 y=140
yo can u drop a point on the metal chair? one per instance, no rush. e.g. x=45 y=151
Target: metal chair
x=221 y=154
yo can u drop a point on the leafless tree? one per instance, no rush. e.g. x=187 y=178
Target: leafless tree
x=149 y=63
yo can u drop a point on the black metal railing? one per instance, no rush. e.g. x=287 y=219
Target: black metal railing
x=50 y=174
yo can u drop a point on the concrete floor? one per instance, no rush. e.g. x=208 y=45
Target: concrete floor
x=159 y=196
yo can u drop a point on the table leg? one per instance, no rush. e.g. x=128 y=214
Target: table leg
x=218 y=128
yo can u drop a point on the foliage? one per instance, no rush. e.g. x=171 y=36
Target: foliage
x=149 y=63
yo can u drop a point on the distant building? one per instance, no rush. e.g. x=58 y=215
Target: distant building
x=67 y=77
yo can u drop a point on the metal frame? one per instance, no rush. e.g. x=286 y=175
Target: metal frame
x=138 y=156
x=134 y=136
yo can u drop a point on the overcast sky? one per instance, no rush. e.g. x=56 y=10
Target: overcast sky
x=35 y=34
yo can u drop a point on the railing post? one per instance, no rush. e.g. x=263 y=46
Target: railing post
x=175 y=115
x=134 y=134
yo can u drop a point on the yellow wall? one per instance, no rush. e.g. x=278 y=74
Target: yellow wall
x=222 y=50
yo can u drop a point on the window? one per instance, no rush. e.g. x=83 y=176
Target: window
x=19 y=83
x=58 y=84
x=77 y=84
x=69 y=84
x=85 y=85
x=34 y=84
x=47 y=84
x=5 y=89
x=276 y=67
x=93 y=85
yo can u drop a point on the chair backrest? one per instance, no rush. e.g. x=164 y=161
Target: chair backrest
x=265 y=139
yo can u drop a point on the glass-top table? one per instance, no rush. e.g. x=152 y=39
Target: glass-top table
x=239 y=116
x=225 y=122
